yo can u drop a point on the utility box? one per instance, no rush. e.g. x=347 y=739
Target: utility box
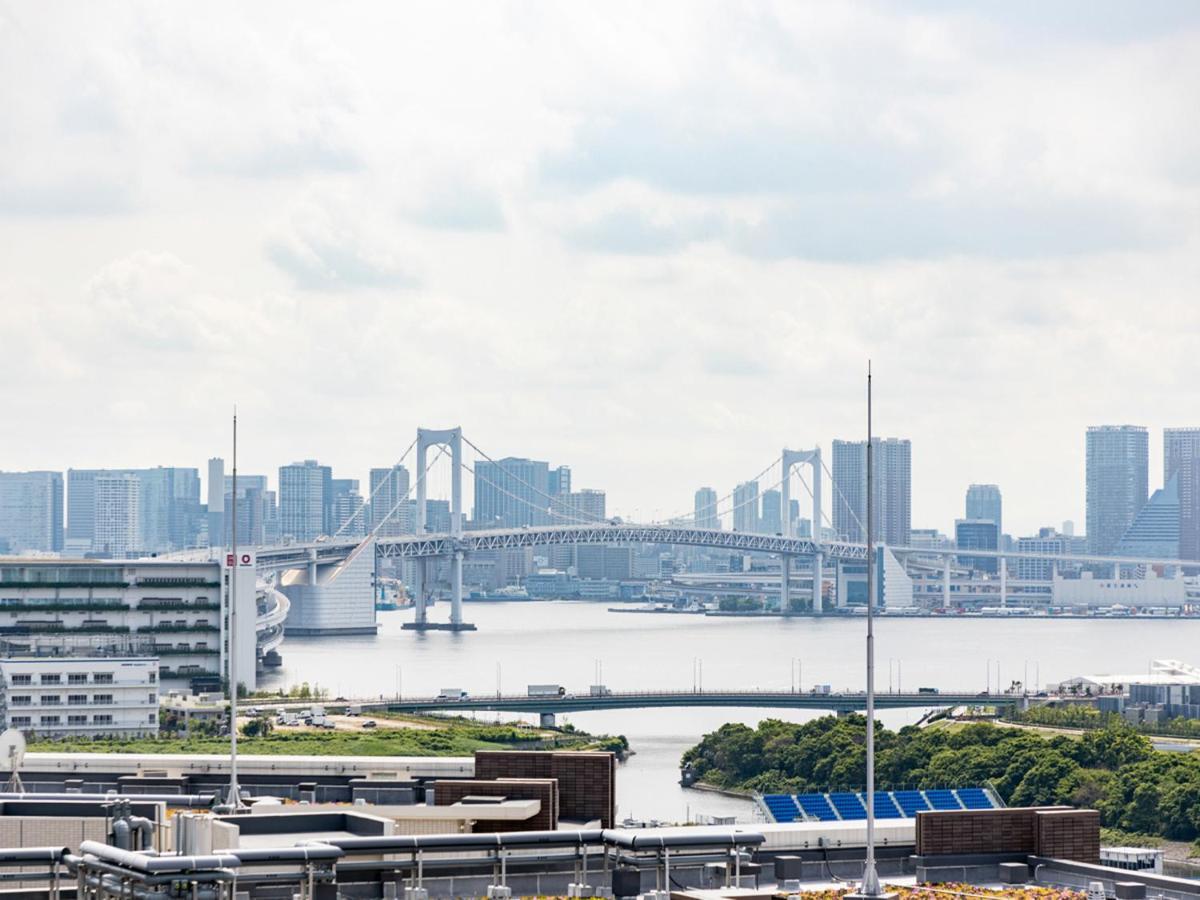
x=626 y=882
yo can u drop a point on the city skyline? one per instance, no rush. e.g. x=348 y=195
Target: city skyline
x=992 y=235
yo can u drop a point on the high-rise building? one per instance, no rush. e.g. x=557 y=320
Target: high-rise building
x=794 y=517
x=745 y=506
x=892 y=485
x=771 y=520
x=513 y=492
x=559 y=481
x=1047 y=540
x=31 y=511
x=168 y=509
x=584 y=507
x=706 y=509
x=1181 y=459
x=116 y=501
x=1154 y=532
x=215 y=494
x=977 y=534
x=984 y=503
x=1118 y=462
x=305 y=500
x=347 y=512
x=389 y=512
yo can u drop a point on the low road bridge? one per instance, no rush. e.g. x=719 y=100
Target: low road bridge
x=548 y=706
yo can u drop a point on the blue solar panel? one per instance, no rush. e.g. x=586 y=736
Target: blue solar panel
x=910 y=802
x=848 y=805
x=817 y=806
x=974 y=798
x=942 y=799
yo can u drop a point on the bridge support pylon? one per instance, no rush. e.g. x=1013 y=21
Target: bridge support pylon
x=789 y=459
x=451 y=438
x=546 y=719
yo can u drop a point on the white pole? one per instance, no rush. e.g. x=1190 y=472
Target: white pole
x=235 y=796
x=870 y=882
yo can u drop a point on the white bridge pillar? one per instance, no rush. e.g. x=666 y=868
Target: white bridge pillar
x=451 y=438
x=790 y=458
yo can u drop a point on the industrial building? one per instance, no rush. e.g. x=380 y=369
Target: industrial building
x=60 y=697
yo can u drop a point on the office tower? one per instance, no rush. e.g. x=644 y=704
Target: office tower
x=745 y=506
x=116 y=500
x=706 y=509
x=1181 y=459
x=1154 y=532
x=1068 y=528
x=437 y=516
x=215 y=493
x=771 y=520
x=251 y=525
x=1118 y=462
x=977 y=534
x=984 y=503
x=559 y=481
x=305 y=499
x=513 y=492
x=389 y=513
x=31 y=512
x=1047 y=540
x=168 y=509
x=270 y=518
x=585 y=507
x=794 y=517
x=347 y=513
x=892 y=484
x=246 y=482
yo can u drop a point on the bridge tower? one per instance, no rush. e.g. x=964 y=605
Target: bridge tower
x=451 y=438
x=811 y=458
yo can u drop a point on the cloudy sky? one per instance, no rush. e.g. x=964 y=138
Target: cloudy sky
x=654 y=241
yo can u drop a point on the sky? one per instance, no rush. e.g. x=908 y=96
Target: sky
x=656 y=242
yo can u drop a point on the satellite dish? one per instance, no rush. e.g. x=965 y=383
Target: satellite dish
x=12 y=754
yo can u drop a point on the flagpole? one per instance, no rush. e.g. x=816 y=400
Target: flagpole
x=235 y=796
x=870 y=882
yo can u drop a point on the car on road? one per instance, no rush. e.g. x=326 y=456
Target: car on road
x=370 y=723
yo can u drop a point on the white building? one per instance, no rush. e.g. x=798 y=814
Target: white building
x=117 y=504
x=154 y=608
x=59 y=697
x=332 y=599
x=1148 y=592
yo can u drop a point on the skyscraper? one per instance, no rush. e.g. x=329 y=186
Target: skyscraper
x=984 y=504
x=1118 y=462
x=305 y=500
x=977 y=534
x=745 y=507
x=116 y=501
x=347 y=514
x=706 y=509
x=1181 y=459
x=513 y=492
x=390 y=515
x=31 y=511
x=892 y=483
x=168 y=508
x=771 y=520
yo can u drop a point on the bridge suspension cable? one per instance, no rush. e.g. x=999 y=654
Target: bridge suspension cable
x=551 y=511
x=553 y=500
x=363 y=504
x=675 y=520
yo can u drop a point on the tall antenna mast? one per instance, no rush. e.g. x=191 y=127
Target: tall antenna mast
x=870 y=881
x=235 y=795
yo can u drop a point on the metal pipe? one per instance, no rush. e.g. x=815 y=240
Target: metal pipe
x=202 y=801
x=22 y=855
x=141 y=862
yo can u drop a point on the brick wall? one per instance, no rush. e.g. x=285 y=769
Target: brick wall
x=1057 y=831
x=586 y=780
x=544 y=790
x=1069 y=834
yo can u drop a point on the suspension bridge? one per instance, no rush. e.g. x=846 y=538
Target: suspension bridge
x=458 y=543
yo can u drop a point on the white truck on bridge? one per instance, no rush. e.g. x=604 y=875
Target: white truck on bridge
x=547 y=690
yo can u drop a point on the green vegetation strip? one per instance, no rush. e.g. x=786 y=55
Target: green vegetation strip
x=1113 y=769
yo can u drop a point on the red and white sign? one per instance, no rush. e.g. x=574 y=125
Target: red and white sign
x=244 y=559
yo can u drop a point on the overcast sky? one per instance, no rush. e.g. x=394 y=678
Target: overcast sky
x=656 y=242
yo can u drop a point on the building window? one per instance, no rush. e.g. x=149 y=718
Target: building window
x=77 y=699
x=21 y=721
x=76 y=720
x=104 y=719
x=52 y=679
x=102 y=699
x=51 y=700
x=22 y=679
x=77 y=678
x=102 y=678
x=20 y=700
x=153 y=677
x=152 y=718
x=152 y=698
x=50 y=720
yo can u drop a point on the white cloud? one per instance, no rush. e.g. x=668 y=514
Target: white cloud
x=656 y=243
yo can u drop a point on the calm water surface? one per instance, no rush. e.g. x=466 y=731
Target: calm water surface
x=563 y=642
